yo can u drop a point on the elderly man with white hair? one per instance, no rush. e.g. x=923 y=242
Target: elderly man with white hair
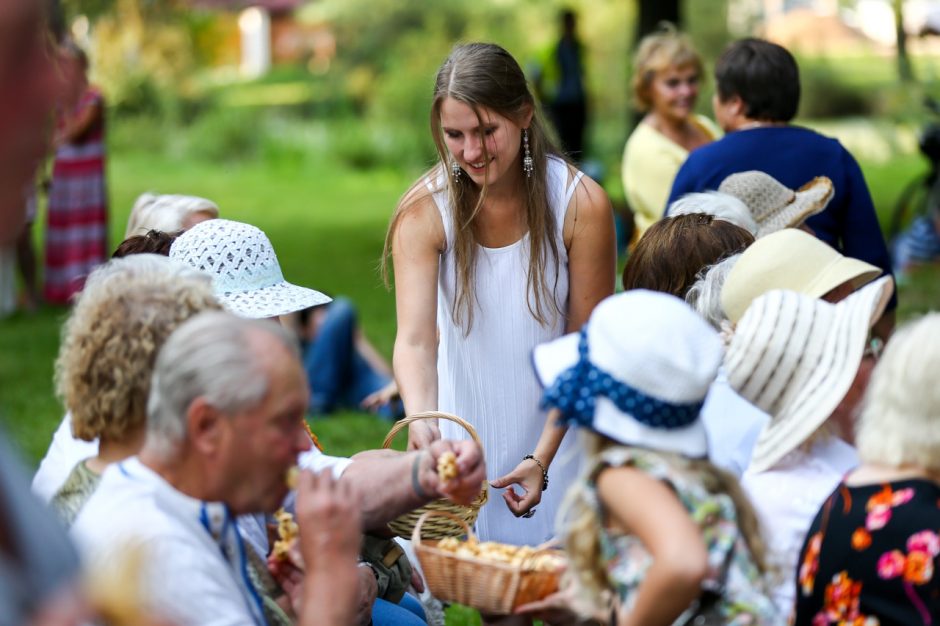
x=224 y=425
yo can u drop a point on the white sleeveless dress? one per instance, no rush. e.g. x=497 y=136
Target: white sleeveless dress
x=486 y=377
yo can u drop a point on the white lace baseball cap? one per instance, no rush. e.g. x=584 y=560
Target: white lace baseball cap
x=246 y=276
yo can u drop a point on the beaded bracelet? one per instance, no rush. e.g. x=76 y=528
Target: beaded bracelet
x=542 y=467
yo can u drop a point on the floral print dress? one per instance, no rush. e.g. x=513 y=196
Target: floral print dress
x=745 y=600
x=870 y=556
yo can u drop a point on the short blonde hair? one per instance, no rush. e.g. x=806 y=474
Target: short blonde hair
x=658 y=51
x=126 y=311
x=900 y=418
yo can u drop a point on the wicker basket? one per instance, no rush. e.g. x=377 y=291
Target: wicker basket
x=444 y=526
x=490 y=587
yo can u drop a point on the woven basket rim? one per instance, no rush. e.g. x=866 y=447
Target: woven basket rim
x=400 y=425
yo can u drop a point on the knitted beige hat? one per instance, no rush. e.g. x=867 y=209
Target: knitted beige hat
x=774 y=205
x=790 y=259
x=795 y=357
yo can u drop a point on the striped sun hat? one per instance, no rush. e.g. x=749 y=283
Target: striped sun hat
x=795 y=358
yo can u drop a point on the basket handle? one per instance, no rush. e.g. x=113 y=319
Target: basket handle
x=416 y=533
x=414 y=417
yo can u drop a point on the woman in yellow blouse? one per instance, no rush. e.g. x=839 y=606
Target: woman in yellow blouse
x=665 y=86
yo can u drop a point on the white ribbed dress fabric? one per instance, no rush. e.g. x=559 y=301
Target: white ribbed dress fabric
x=486 y=377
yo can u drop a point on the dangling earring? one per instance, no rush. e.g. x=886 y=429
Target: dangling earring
x=455 y=170
x=527 y=165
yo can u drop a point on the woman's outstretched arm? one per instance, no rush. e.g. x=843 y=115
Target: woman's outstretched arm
x=417 y=242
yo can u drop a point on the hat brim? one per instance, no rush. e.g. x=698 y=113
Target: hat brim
x=278 y=299
x=842 y=270
x=821 y=393
x=551 y=359
x=809 y=200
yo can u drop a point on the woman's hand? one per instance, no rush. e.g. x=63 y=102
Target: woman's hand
x=528 y=475
x=422 y=433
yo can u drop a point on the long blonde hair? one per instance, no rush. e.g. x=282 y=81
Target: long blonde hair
x=582 y=523
x=483 y=75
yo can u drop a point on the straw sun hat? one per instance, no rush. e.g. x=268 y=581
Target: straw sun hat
x=790 y=259
x=795 y=357
x=638 y=372
x=246 y=276
x=774 y=205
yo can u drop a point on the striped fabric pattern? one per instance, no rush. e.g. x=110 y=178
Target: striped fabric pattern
x=77 y=217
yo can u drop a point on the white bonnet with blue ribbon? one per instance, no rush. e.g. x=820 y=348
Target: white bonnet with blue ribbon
x=638 y=372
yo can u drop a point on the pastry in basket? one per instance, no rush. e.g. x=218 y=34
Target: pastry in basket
x=526 y=557
x=287 y=531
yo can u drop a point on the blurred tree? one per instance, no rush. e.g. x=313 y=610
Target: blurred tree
x=905 y=71
x=652 y=12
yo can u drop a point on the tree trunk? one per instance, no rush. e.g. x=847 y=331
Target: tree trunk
x=652 y=12
x=905 y=71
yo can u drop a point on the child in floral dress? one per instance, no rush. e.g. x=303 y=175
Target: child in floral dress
x=653 y=522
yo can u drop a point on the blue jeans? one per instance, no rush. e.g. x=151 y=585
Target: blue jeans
x=407 y=612
x=338 y=375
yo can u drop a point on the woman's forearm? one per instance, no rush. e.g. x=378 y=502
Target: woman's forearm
x=415 y=368
x=550 y=439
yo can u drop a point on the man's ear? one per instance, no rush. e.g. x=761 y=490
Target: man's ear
x=204 y=424
x=736 y=106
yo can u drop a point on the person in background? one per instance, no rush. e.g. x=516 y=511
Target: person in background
x=651 y=521
x=77 y=215
x=168 y=213
x=667 y=75
x=561 y=86
x=343 y=367
x=872 y=554
x=756 y=98
x=500 y=246
x=804 y=363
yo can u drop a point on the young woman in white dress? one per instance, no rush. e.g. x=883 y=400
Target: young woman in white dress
x=501 y=246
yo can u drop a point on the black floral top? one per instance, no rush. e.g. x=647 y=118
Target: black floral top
x=870 y=556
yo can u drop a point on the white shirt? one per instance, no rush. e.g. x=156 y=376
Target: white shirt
x=787 y=498
x=190 y=576
x=732 y=425
x=63 y=455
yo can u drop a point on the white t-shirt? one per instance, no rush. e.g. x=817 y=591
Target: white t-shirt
x=194 y=565
x=732 y=425
x=787 y=498
x=63 y=455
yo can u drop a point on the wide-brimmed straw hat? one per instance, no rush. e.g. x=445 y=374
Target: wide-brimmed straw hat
x=790 y=259
x=795 y=357
x=638 y=372
x=773 y=204
x=246 y=276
